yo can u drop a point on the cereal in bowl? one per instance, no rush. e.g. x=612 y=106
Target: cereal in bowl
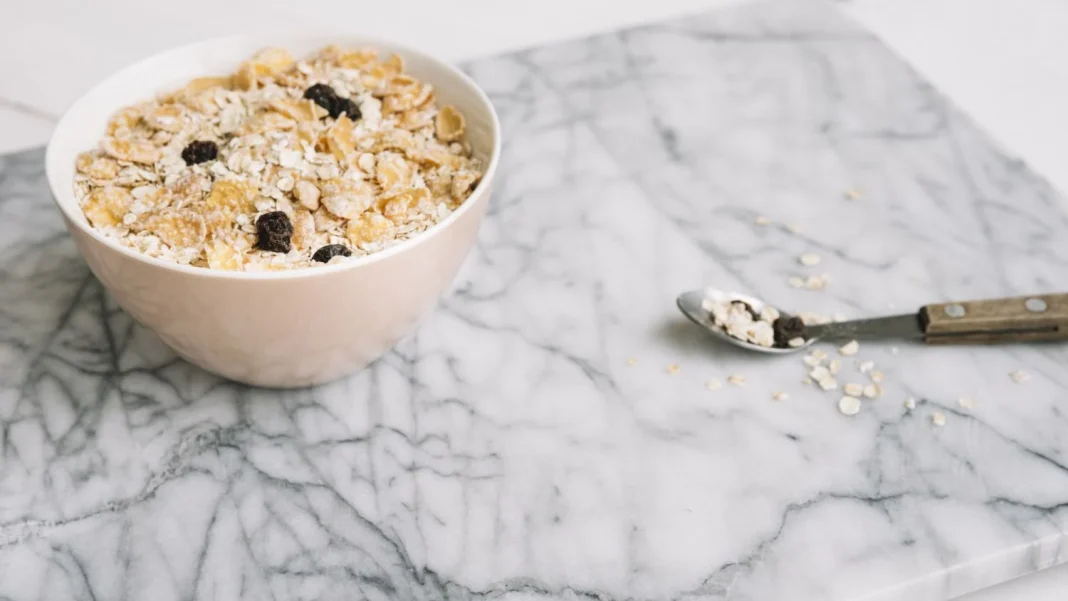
x=282 y=164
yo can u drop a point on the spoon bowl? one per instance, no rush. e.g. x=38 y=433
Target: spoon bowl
x=690 y=305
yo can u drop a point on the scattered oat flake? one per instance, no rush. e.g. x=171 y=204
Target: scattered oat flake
x=736 y=380
x=850 y=348
x=797 y=342
x=910 y=403
x=793 y=228
x=834 y=367
x=713 y=385
x=632 y=361
x=806 y=380
x=853 y=389
x=873 y=391
x=938 y=418
x=866 y=366
x=814 y=358
x=780 y=396
x=852 y=194
x=1019 y=376
x=817 y=282
x=828 y=383
x=966 y=402
x=809 y=259
x=673 y=368
x=877 y=376
x=796 y=282
x=849 y=405
x=762 y=220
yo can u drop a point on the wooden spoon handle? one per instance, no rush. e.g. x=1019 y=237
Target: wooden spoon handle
x=1020 y=319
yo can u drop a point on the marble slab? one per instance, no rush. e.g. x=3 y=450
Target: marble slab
x=510 y=449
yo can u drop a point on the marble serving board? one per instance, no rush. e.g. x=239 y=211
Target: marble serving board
x=529 y=442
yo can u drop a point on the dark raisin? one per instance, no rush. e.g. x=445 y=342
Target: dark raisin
x=321 y=94
x=748 y=307
x=344 y=105
x=273 y=231
x=786 y=328
x=324 y=254
x=199 y=152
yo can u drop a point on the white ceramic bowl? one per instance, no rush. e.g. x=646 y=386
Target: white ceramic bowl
x=276 y=329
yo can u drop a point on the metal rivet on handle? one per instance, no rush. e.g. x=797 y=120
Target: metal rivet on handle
x=955 y=310
x=1035 y=305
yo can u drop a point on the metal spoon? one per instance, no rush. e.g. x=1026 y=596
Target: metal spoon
x=1019 y=319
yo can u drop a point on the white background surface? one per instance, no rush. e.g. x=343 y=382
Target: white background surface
x=1003 y=62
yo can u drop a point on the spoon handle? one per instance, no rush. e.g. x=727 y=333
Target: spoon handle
x=1020 y=319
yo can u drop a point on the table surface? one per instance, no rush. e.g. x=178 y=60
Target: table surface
x=956 y=43
x=508 y=447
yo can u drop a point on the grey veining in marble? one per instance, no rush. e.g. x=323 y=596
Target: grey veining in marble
x=507 y=450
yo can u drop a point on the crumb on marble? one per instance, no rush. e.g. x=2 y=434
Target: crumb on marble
x=849 y=405
x=850 y=348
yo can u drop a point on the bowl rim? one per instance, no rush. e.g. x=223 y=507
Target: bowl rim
x=482 y=188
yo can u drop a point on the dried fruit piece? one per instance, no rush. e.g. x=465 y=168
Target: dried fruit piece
x=273 y=232
x=787 y=328
x=321 y=94
x=324 y=254
x=135 y=151
x=346 y=198
x=200 y=151
x=449 y=124
x=334 y=104
x=344 y=106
